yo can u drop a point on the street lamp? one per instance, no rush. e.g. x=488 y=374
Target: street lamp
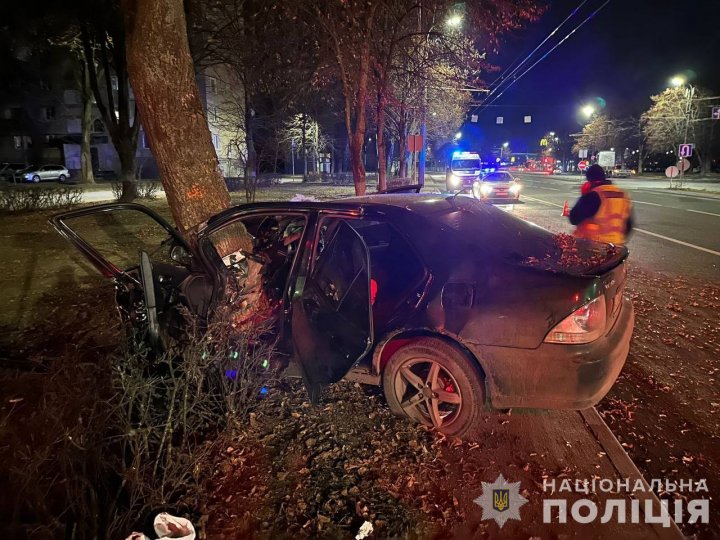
x=454 y=21
x=458 y=135
x=588 y=111
x=678 y=81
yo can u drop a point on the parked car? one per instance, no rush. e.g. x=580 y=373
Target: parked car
x=497 y=185
x=46 y=172
x=450 y=304
x=12 y=171
x=621 y=172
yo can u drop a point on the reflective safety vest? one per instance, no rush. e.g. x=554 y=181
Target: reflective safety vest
x=609 y=222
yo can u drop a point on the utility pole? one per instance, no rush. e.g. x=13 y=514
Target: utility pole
x=689 y=92
x=423 y=105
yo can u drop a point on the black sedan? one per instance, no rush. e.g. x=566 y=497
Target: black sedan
x=453 y=306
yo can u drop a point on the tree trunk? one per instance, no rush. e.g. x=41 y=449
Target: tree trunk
x=402 y=143
x=640 y=160
x=86 y=169
x=163 y=79
x=250 y=178
x=303 y=146
x=381 y=153
x=126 y=152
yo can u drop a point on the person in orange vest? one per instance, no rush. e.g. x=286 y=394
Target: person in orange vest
x=604 y=211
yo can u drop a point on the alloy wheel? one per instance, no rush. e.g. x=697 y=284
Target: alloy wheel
x=428 y=391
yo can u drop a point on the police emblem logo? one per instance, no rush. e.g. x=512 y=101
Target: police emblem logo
x=500 y=500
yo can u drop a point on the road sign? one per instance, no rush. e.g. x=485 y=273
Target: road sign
x=686 y=150
x=582 y=165
x=672 y=171
x=415 y=143
x=683 y=164
x=716 y=113
x=583 y=153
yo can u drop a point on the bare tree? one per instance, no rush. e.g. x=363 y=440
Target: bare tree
x=680 y=115
x=103 y=40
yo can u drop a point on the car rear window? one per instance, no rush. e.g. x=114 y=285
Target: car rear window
x=499 y=234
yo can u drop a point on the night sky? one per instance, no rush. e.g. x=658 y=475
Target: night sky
x=624 y=54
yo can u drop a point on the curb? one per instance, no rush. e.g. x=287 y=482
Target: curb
x=627 y=469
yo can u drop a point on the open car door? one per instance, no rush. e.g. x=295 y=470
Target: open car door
x=331 y=314
x=144 y=255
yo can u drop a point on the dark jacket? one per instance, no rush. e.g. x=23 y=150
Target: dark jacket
x=588 y=205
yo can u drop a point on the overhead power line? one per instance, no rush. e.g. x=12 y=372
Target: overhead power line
x=526 y=71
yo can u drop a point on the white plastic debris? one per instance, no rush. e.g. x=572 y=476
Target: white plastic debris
x=169 y=527
x=365 y=530
x=299 y=197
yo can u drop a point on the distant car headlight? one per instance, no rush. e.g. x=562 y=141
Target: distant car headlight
x=515 y=188
x=455 y=180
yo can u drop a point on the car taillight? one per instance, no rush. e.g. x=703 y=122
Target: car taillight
x=583 y=325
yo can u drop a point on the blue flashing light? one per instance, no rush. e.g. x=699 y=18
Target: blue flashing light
x=263 y=391
x=231 y=373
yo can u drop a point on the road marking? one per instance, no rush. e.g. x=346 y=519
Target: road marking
x=544 y=202
x=673 y=193
x=701 y=212
x=686 y=244
x=643 y=202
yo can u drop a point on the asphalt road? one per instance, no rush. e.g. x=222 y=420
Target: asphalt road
x=675 y=232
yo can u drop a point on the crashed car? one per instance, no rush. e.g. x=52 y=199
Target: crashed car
x=453 y=306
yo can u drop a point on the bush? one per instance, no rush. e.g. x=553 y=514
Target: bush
x=146 y=189
x=26 y=199
x=114 y=440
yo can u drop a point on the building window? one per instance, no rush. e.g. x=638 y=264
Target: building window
x=98 y=126
x=17 y=139
x=210 y=85
x=44 y=85
x=212 y=113
x=216 y=141
x=114 y=82
x=49 y=113
x=499 y=120
x=527 y=119
x=473 y=118
x=145 y=142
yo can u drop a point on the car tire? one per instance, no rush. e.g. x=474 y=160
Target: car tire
x=36 y=178
x=62 y=178
x=412 y=381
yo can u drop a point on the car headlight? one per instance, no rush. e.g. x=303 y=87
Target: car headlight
x=455 y=180
x=486 y=189
x=515 y=188
x=583 y=325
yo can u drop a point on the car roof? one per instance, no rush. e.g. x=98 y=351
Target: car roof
x=422 y=203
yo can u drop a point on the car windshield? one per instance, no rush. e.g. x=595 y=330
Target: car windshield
x=497 y=177
x=459 y=164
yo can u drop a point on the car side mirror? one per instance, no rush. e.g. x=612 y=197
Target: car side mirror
x=180 y=255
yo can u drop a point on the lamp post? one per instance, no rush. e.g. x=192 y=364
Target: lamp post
x=454 y=21
x=678 y=81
